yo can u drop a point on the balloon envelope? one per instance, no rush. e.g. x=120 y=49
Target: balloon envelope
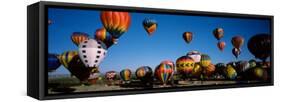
x=236 y=52
x=260 y=46
x=163 y=73
x=221 y=45
x=150 y=25
x=218 y=33
x=53 y=62
x=169 y=62
x=187 y=36
x=92 y=52
x=144 y=73
x=197 y=70
x=111 y=75
x=230 y=72
x=125 y=75
x=237 y=41
x=205 y=60
x=78 y=37
x=116 y=23
x=102 y=36
x=66 y=57
x=77 y=68
x=195 y=55
x=185 y=65
x=209 y=70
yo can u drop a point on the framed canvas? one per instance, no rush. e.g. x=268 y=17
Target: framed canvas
x=86 y=50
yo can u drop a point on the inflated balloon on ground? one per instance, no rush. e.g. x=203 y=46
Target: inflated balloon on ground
x=195 y=55
x=230 y=72
x=125 y=75
x=205 y=60
x=144 y=73
x=53 y=62
x=185 y=65
x=163 y=73
x=92 y=52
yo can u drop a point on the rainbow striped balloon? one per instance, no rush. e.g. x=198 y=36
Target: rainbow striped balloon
x=66 y=57
x=102 y=36
x=163 y=73
x=116 y=23
x=150 y=25
x=125 y=75
x=78 y=37
x=205 y=60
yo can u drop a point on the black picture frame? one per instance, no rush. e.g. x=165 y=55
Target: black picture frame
x=37 y=48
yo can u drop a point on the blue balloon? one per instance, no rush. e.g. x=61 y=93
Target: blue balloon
x=53 y=62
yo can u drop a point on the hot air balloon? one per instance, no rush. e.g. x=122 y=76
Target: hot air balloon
x=260 y=46
x=66 y=57
x=256 y=73
x=236 y=52
x=150 y=25
x=92 y=52
x=220 y=67
x=111 y=75
x=205 y=60
x=144 y=73
x=237 y=42
x=102 y=36
x=195 y=55
x=187 y=36
x=116 y=23
x=221 y=45
x=78 y=69
x=53 y=62
x=230 y=72
x=163 y=73
x=209 y=70
x=169 y=62
x=242 y=66
x=185 y=65
x=125 y=75
x=252 y=63
x=78 y=37
x=218 y=33
x=197 y=70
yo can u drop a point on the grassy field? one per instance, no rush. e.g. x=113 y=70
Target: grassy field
x=72 y=84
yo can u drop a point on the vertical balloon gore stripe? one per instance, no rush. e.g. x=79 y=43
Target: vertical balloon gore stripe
x=125 y=75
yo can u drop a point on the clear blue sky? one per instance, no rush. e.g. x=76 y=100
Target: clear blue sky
x=135 y=48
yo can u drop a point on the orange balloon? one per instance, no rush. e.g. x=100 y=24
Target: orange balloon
x=116 y=23
x=221 y=45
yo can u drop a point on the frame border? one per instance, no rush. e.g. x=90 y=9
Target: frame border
x=43 y=48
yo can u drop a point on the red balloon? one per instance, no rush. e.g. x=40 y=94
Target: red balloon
x=221 y=45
